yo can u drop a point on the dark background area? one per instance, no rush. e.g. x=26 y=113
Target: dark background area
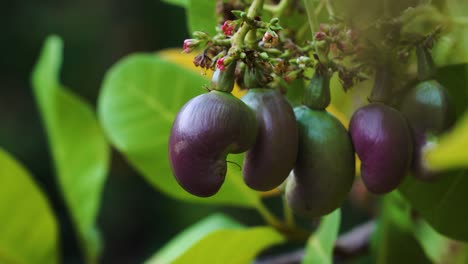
x=135 y=220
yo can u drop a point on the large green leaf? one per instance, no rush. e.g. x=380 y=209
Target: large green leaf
x=139 y=100
x=28 y=231
x=190 y=236
x=201 y=16
x=441 y=202
x=393 y=241
x=231 y=246
x=320 y=246
x=79 y=149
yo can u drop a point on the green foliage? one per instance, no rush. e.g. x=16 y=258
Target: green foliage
x=201 y=16
x=442 y=202
x=79 y=150
x=192 y=235
x=231 y=246
x=137 y=109
x=29 y=231
x=319 y=248
x=393 y=241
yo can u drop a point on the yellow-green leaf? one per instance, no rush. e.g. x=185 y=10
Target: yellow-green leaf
x=231 y=246
x=190 y=236
x=451 y=151
x=28 y=229
x=78 y=146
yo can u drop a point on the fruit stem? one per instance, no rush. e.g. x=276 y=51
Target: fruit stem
x=382 y=85
x=426 y=67
x=288 y=215
x=317 y=93
x=291 y=232
x=238 y=39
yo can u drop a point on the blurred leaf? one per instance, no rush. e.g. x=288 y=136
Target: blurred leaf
x=181 y=3
x=231 y=246
x=28 y=232
x=187 y=238
x=451 y=47
x=441 y=202
x=320 y=246
x=139 y=100
x=201 y=16
x=393 y=241
x=78 y=146
x=439 y=248
x=451 y=150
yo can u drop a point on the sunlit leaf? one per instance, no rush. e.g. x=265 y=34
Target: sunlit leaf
x=451 y=150
x=79 y=149
x=139 y=100
x=320 y=246
x=231 y=246
x=28 y=230
x=187 y=238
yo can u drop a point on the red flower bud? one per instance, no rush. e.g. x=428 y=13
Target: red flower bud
x=220 y=64
x=320 y=35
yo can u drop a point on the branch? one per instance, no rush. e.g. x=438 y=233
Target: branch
x=351 y=244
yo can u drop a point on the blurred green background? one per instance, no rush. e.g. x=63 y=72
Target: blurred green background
x=135 y=220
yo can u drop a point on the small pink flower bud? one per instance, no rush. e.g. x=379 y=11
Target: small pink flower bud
x=228 y=27
x=189 y=45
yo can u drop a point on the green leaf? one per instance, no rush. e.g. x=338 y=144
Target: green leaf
x=441 y=202
x=139 y=100
x=190 y=236
x=201 y=16
x=439 y=248
x=79 y=149
x=29 y=231
x=181 y=3
x=393 y=241
x=231 y=246
x=320 y=246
